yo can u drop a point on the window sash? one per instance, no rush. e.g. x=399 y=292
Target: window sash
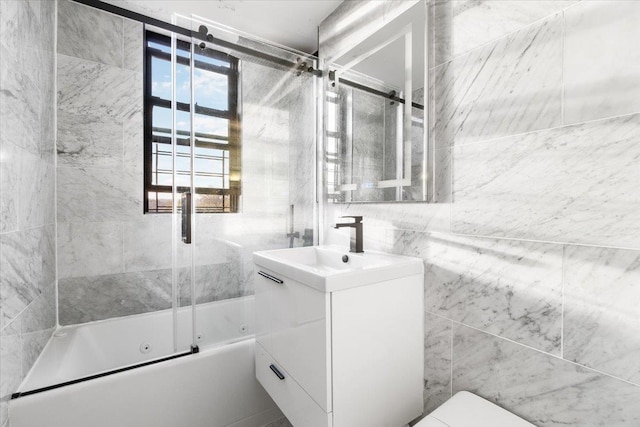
x=229 y=144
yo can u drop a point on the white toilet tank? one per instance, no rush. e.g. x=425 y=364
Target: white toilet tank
x=468 y=410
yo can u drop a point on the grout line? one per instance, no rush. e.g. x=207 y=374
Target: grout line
x=497 y=138
x=562 y=278
x=451 y=359
x=562 y=64
x=488 y=237
x=55 y=168
x=535 y=349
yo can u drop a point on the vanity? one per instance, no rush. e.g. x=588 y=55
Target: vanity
x=340 y=336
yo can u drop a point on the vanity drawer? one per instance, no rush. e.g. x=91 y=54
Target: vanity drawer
x=287 y=393
x=293 y=328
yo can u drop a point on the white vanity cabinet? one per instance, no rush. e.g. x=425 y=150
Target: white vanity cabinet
x=334 y=349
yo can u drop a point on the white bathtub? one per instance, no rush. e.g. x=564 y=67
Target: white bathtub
x=214 y=388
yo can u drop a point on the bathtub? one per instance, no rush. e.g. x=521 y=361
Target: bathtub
x=213 y=388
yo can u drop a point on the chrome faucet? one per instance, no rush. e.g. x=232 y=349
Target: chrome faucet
x=356 y=233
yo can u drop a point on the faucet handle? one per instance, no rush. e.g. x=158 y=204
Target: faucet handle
x=356 y=218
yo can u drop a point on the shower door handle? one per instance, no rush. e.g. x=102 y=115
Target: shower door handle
x=186 y=218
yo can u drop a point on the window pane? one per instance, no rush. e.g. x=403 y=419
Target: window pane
x=160 y=78
x=183 y=124
x=183 y=83
x=210 y=128
x=211 y=165
x=161 y=121
x=211 y=89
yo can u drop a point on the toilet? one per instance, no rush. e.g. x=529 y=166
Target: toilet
x=466 y=409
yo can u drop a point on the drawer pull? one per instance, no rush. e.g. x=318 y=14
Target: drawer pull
x=270 y=277
x=276 y=371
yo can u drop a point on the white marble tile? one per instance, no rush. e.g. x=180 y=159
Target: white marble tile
x=27 y=262
x=410 y=216
x=602 y=60
x=212 y=283
x=95 y=195
x=460 y=26
x=89 y=141
x=88 y=33
x=544 y=390
x=134 y=143
x=90 y=248
x=36 y=192
x=20 y=106
x=38 y=322
x=575 y=184
x=511 y=86
x=505 y=287
x=11 y=366
x=437 y=362
x=86 y=87
x=40 y=315
x=602 y=310
x=9 y=172
x=85 y=299
x=133 y=55
x=147 y=243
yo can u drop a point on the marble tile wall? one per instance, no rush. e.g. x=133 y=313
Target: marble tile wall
x=113 y=259
x=27 y=204
x=530 y=244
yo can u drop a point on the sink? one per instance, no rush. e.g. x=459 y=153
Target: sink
x=323 y=268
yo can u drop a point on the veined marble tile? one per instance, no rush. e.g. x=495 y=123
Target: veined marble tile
x=90 y=249
x=437 y=362
x=573 y=184
x=10 y=160
x=88 y=33
x=511 y=86
x=85 y=299
x=602 y=60
x=27 y=261
x=133 y=55
x=505 y=287
x=602 y=310
x=212 y=283
x=411 y=216
x=460 y=26
x=12 y=13
x=95 y=195
x=86 y=87
x=442 y=176
x=19 y=104
x=134 y=143
x=36 y=192
x=37 y=325
x=40 y=315
x=91 y=141
x=11 y=366
x=147 y=243
x=544 y=390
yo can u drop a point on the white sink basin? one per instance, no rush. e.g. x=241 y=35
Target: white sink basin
x=322 y=267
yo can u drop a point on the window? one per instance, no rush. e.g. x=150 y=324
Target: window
x=217 y=163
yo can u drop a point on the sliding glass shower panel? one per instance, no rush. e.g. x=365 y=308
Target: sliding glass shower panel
x=252 y=169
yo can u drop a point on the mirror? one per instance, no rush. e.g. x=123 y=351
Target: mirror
x=375 y=115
